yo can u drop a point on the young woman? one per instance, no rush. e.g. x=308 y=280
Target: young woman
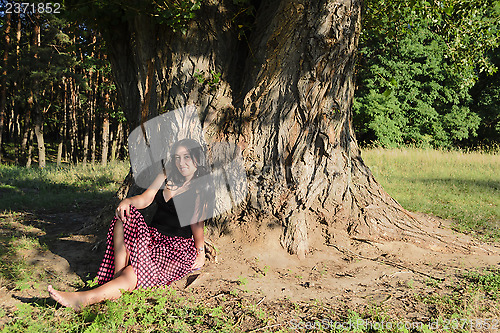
x=138 y=255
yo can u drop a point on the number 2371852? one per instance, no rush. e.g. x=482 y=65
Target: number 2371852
x=26 y=7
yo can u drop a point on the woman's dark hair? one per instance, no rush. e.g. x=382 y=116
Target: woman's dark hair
x=202 y=181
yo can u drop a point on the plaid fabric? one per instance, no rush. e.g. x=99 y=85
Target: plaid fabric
x=157 y=259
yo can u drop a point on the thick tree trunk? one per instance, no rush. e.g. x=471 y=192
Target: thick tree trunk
x=286 y=101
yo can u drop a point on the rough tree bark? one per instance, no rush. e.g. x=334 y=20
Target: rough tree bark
x=285 y=98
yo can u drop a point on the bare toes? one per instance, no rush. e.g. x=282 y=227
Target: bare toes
x=65 y=298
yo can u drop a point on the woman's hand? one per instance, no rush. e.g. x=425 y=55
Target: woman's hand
x=199 y=261
x=123 y=211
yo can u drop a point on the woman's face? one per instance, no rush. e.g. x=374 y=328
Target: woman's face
x=184 y=163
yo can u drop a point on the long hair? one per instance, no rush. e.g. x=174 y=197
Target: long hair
x=202 y=181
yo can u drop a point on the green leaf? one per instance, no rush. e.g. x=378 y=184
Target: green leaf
x=448 y=10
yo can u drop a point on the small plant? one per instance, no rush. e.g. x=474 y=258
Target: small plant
x=242 y=280
x=199 y=76
x=212 y=78
x=488 y=281
x=92 y=283
x=432 y=282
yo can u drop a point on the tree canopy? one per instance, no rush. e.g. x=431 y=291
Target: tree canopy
x=418 y=62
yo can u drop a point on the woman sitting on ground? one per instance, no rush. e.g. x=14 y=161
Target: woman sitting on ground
x=138 y=255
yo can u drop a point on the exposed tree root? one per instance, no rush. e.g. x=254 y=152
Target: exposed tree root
x=349 y=253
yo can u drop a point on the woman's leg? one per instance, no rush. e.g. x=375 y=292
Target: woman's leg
x=121 y=253
x=111 y=290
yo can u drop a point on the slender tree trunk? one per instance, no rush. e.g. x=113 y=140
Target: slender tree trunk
x=3 y=82
x=112 y=139
x=34 y=103
x=105 y=127
x=88 y=118
x=86 y=135
x=72 y=121
x=105 y=139
x=115 y=150
x=13 y=124
x=93 y=146
x=96 y=95
x=40 y=140
x=26 y=134
x=60 y=146
x=30 y=148
x=15 y=89
x=60 y=132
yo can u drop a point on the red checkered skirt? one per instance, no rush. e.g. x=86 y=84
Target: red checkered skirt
x=157 y=259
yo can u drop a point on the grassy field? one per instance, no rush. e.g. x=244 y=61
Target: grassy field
x=51 y=188
x=459 y=186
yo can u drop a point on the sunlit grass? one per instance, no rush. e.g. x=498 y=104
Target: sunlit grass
x=456 y=185
x=34 y=189
x=460 y=186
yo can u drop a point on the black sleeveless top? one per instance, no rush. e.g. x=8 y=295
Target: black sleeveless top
x=166 y=220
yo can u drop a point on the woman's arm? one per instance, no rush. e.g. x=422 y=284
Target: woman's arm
x=199 y=243
x=199 y=238
x=197 y=227
x=140 y=201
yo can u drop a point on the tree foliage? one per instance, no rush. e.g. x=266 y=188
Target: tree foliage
x=66 y=79
x=418 y=62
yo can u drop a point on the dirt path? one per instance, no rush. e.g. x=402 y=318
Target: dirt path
x=383 y=274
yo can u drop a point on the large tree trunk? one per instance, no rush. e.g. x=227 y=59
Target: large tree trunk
x=286 y=100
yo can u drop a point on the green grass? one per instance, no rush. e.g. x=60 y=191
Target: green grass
x=49 y=189
x=461 y=186
x=16 y=270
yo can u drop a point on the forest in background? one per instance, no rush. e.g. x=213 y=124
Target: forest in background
x=57 y=92
x=427 y=76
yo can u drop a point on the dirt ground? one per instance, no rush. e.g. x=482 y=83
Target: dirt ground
x=366 y=273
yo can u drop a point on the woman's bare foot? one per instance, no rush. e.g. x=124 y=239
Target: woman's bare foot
x=68 y=299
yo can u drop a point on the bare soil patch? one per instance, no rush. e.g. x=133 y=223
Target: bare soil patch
x=260 y=271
